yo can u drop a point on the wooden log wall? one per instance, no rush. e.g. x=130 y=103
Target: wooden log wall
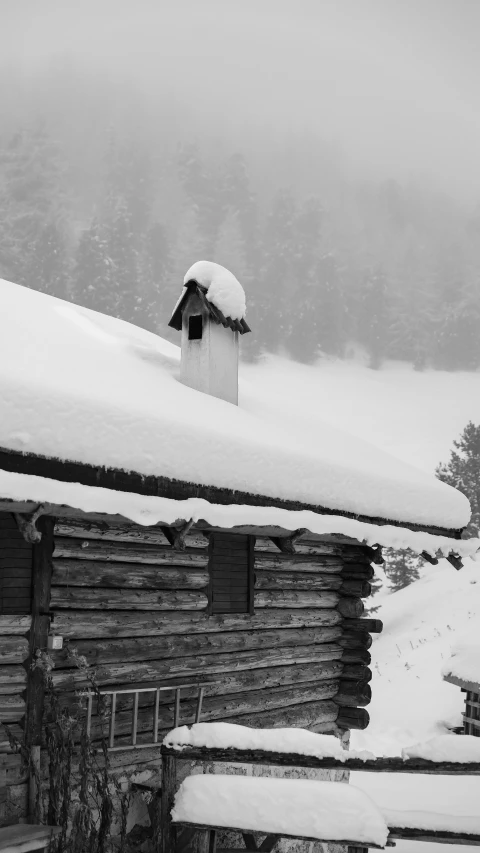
x=15 y=622
x=136 y=609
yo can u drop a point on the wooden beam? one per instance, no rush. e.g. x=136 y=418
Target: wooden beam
x=27 y=524
x=287 y=759
x=41 y=582
x=286 y=544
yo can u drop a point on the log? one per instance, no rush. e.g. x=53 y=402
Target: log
x=13 y=649
x=18 y=625
x=88 y=573
x=327 y=565
x=225 y=662
x=291 y=759
x=359 y=655
x=434 y=836
x=81 y=623
x=156 y=648
x=358 y=571
x=125 y=599
x=127 y=552
x=372 y=626
x=356 y=672
x=296 y=580
x=353 y=694
x=352 y=718
x=12 y=708
x=16 y=730
x=200 y=669
x=359 y=588
x=223 y=707
x=350 y=607
x=354 y=639
x=289 y=599
x=12 y=679
x=117 y=532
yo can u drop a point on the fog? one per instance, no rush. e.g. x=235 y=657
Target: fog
x=395 y=84
x=324 y=150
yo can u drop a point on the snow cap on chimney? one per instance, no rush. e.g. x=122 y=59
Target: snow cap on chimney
x=210 y=313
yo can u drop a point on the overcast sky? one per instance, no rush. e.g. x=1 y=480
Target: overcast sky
x=396 y=82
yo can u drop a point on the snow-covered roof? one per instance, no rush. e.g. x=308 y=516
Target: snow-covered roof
x=463 y=667
x=81 y=386
x=220 y=292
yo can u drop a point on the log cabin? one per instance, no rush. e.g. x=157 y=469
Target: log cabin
x=463 y=670
x=198 y=549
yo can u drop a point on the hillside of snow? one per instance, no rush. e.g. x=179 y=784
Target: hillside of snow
x=415 y=416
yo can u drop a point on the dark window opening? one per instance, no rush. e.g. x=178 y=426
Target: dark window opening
x=195 y=327
x=231 y=562
x=16 y=556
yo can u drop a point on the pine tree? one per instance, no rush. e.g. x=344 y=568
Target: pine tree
x=462 y=471
x=401 y=568
x=372 y=315
x=47 y=268
x=203 y=194
x=92 y=282
x=30 y=202
x=157 y=296
x=271 y=314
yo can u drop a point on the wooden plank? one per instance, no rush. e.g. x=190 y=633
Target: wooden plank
x=160 y=647
x=11 y=677
x=12 y=708
x=18 y=582
x=291 y=599
x=84 y=624
x=435 y=836
x=296 y=580
x=92 y=574
x=225 y=661
x=13 y=649
x=41 y=578
x=226 y=679
x=117 y=552
x=299 y=562
x=126 y=599
x=303 y=838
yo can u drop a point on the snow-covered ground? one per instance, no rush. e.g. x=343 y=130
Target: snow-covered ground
x=415 y=416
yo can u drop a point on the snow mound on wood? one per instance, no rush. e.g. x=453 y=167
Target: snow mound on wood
x=298 y=807
x=148 y=510
x=229 y=735
x=81 y=386
x=223 y=289
x=412 y=819
x=463 y=749
x=464 y=663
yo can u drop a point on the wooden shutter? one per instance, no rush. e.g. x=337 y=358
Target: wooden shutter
x=231 y=573
x=15 y=568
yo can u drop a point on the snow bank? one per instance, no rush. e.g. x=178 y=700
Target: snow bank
x=464 y=663
x=463 y=748
x=148 y=510
x=85 y=387
x=223 y=289
x=228 y=735
x=412 y=819
x=299 y=807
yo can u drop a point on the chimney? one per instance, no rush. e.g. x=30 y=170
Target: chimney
x=211 y=315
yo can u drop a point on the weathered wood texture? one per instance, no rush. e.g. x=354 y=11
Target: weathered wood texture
x=138 y=611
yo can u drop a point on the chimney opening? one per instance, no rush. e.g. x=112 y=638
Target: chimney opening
x=195 y=327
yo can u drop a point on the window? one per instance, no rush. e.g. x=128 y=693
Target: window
x=231 y=561
x=15 y=568
x=195 y=327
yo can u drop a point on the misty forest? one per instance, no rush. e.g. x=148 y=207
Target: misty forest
x=107 y=201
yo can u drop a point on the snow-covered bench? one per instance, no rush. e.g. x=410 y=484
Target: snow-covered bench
x=210 y=802
x=279 y=808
